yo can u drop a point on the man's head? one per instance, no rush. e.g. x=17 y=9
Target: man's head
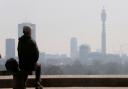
x=27 y=31
x=12 y=65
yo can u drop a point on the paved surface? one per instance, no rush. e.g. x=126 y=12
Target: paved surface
x=81 y=88
x=87 y=88
x=72 y=76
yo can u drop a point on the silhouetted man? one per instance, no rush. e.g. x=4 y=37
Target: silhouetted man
x=0 y=56
x=28 y=56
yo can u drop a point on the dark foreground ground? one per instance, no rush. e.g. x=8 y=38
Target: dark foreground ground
x=78 y=76
x=81 y=88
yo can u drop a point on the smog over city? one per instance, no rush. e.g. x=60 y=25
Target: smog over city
x=84 y=37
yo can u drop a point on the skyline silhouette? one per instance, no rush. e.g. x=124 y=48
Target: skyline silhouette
x=58 y=21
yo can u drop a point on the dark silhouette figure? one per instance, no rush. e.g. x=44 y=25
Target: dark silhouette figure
x=12 y=65
x=0 y=56
x=28 y=56
x=12 y=68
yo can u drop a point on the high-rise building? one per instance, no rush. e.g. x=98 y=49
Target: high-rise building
x=32 y=26
x=84 y=51
x=10 y=48
x=103 y=35
x=73 y=48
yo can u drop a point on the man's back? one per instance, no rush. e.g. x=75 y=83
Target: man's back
x=28 y=53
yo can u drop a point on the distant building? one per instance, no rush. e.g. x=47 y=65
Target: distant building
x=84 y=51
x=73 y=48
x=10 y=48
x=32 y=26
x=103 y=35
x=54 y=59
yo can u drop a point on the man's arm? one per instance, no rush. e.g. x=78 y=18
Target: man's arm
x=18 y=48
x=36 y=51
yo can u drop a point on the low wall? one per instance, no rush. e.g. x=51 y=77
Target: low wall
x=72 y=81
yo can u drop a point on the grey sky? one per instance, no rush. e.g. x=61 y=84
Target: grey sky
x=59 y=20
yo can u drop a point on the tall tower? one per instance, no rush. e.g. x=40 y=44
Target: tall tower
x=32 y=26
x=103 y=35
x=73 y=48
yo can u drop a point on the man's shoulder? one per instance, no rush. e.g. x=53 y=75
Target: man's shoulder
x=22 y=38
x=31 y=39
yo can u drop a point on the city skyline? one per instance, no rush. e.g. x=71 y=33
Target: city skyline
x=58 y=21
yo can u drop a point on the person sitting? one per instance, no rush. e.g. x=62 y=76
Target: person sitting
x=12 y=68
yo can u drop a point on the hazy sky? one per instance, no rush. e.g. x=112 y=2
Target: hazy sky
x=59 y=20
